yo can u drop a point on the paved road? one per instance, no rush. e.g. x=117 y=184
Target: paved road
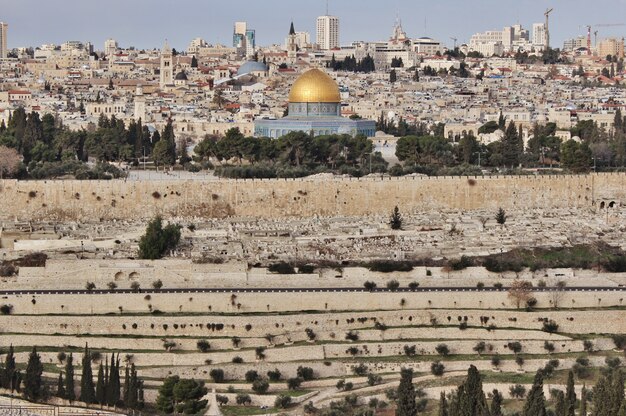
x=296 y=290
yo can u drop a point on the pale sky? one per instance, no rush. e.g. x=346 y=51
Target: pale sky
x=146 y=23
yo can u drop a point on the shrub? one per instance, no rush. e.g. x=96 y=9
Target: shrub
x=306 y=269
x=550 y=326
x=274 y=375
x=393 y=285
x=442 y=349
x=203 y=345
x=463 y=326
x=352 y=336
x=310 y=334
x=243 y=399
x=385 y=266
x=413 y=285
x=374 y=379
x=237 y=360
x=409 y=350
x=498 y=286
x=281 y=268
x=6 y=309
x=112 y=285
x=517 y=391
x=305 y=373
x=587 y=345
x=480 y=347
x=463 y=263
x=480 y=285
x=282 y=401
x=340 y=384
x=515 y=346
x=222 y=400
x=380 y=326
x=495 y=361
x=260 y=353
x=217 y=374
x=260 y=386
x=548 y=346
x=61 y=356
x=437 y=368
x=7 y=269
x=236 y=341
x=157 y=284
x=294 y=383
x=369 y=285
x=90 y=286
x=360 y=370
x=619 y=340
x=135 y=286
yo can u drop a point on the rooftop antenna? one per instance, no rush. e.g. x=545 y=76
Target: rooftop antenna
x=327 y=8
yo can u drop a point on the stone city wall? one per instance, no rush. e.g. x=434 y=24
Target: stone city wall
x=280 y=198
x=267 y=302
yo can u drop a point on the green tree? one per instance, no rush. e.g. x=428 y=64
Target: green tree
x=582 y=409
x=162 y=154
x=100 y=386
x=165 y=397
x=470 y=396
x=32 y=379
x=406 y=394
x=501 y=216
x=395 y=222
x=393 y=77
x=61 y=386
x=443 y=405
x=187 y=395
x=496 y=403
x=87 y=388
x=8 y=373
x=560 y=408
x=570 y=395
x=157 y=240
x=69 y=378
x=512 y=146
x=535 y=401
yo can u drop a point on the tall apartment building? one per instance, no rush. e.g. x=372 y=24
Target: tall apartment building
x=575 y=43
x=110 y=47
x=3 y=40
x=328 y=32
x=611 y=46
x=539 y=35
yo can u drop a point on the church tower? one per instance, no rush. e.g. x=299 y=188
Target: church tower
x=167 y=67
x=292 y=46
x=140 y=104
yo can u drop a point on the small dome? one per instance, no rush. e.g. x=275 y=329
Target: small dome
x=181 y=76
x=251 y=66
x=314 y=86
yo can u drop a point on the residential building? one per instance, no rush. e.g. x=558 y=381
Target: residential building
x=110 y=47
x=328 y=32
x=539 y=36
x=611 y=46
x=4 y=27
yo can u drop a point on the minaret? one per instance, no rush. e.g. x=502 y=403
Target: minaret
x=140 y=104
x=166 y=66
x=292 y=46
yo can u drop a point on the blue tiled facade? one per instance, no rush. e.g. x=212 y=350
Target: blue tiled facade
x=317 y=119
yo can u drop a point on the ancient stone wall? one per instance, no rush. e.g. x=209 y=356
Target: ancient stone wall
x=280 y=198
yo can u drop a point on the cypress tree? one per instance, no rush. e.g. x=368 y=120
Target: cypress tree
x=69 y=378
x=617 y=390
x=582 y=410
x=535 y=402
x=133 y=390
x=110 y=396
x=8 y=375
x=560 y=408
x=443 y=405
x=32 y=380
x=60 y=386
x=125 y=396
x=87 y=388
x=140 y=399
x=496 y=404
x=406 y=394
x=622 y=409
x=472 y=401
x=100 y=386
x=570 y=395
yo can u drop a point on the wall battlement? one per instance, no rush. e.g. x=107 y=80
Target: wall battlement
x=282 y=198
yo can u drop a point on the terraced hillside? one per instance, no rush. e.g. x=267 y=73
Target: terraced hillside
x=319 y=337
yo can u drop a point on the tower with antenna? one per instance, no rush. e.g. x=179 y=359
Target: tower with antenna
x=327 y=31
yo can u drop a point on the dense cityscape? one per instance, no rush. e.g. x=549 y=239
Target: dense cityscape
x=322 y=226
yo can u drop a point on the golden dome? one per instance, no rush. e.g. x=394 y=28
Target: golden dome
x=314 y=86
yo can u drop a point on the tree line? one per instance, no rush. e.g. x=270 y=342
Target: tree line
x=293 y=155
x=107 y=391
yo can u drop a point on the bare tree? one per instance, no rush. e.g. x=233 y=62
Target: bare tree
x=520 y=291
x=557 y=292
x=9 y=161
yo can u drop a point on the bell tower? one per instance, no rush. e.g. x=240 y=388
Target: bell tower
x=292 y=46
x=167 y=69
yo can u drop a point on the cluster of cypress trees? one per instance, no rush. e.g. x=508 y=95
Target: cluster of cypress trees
x=105 y=392
x=469 y=398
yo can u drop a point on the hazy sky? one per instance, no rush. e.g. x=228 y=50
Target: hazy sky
x=146 y=23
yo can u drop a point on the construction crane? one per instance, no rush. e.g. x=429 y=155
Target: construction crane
x=454 y=39
x=595 y=33
x=595 y=38
x=547 y=14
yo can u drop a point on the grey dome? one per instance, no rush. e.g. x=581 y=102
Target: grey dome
x=181 y=76
x=251 y=66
